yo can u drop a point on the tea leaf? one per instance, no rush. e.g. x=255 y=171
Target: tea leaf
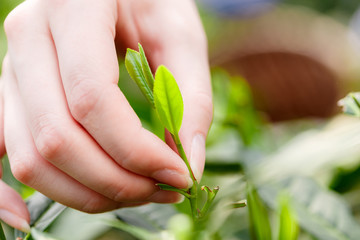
x=168 y=101
x=134 y=67
x=288 y=224
x=146 y=68
x=166 y=187
x=259 y=219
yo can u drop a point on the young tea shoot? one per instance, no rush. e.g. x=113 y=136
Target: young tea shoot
x=163 y=94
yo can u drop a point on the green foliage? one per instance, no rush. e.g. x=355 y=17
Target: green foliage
x=137 y=232
x=43 y=211
x=288 y=229
x=182 y=227
x=168 y=100
x=134 y=66
x=39 y=235
x=146 y=68
x=234 y=108
x=259 y=220
x=2 y=234
x=169 y=106
x=320 y=212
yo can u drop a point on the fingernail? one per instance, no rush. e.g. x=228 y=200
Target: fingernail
x=197 y=156
x=14 y=221
x=181 y=199
x=173 y=178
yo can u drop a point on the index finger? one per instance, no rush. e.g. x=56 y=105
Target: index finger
x=89 y=71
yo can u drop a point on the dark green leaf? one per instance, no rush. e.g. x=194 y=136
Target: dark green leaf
x=2 y=234
x=168 y=101
x=259 y=219
x=351 y=104
x=146 y=68
x=166 y=187
x=240 y=204
x=134 y=67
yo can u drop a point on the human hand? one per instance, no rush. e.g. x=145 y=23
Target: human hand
x=69 y=131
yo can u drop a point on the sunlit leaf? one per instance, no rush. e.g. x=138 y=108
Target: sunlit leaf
x=259 y=219
x=134 y=67
x=146 y=68
x=288 y=229
x=168 y=101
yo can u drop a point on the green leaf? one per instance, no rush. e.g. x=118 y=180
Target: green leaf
x=43 y=211
x=38 y=235
x=351 y=104
x=146 y=68
x=152 y=217
x=320 y=212
x=288 y=229
x=168 y=101
x=166 y=187
x=259 y=219
x=134 y=67
x=137 y=232
x=239 y=204
x=2 y=234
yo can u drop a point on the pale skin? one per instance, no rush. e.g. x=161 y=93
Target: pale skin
x=69 y=131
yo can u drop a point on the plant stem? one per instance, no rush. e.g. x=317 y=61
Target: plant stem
x=193 y=189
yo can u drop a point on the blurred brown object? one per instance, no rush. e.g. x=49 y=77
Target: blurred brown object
x=297 y=63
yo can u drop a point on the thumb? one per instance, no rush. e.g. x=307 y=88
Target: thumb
x=187 y=59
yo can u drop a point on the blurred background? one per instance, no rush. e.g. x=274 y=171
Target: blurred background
x=279 y=68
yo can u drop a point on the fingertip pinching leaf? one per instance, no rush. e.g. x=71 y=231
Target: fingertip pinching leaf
x=133 y=64
x=168 y=100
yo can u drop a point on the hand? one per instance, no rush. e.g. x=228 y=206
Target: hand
x=69 y=131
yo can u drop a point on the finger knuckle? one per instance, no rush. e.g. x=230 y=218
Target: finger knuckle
x=93 y=205
x=125 y=194
x=16 y=22
x=22 y=167
x=83 y=97
x=50 y=141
